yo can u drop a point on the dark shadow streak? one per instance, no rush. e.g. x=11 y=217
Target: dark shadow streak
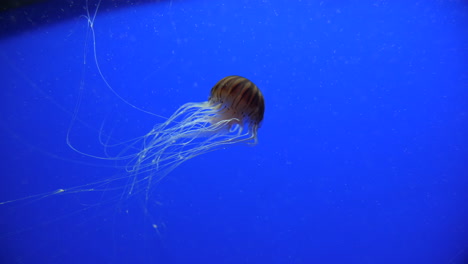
x=18 y=16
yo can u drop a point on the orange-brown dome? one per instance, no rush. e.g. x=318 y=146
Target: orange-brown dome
x=240 y=98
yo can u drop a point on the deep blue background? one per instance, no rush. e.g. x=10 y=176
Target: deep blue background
x=362 y=155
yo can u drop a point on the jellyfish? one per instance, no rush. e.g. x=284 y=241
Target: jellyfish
x=232 y=114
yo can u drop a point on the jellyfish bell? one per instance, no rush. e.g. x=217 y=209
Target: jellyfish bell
x=232 y=114
x=239 y=100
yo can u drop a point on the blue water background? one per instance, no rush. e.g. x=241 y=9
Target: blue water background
x=362 y=155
